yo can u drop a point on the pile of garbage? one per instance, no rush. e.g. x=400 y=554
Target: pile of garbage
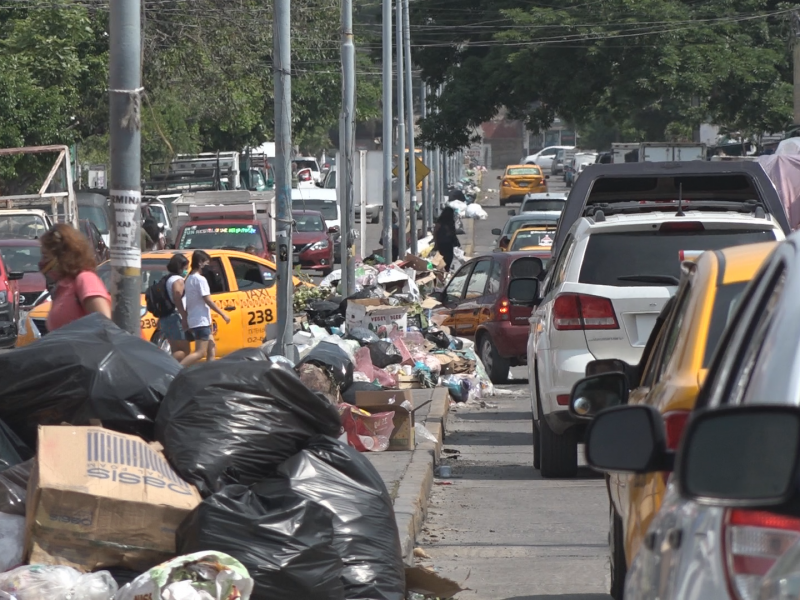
x=124 y=476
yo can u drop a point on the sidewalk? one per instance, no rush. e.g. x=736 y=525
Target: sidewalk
x=409 y=475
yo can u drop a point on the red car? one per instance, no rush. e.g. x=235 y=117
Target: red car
x=22 y=256
x=311 y=241
x=490 y=299
x=9 y=306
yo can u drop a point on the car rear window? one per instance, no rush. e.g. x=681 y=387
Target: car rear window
x=525 y=171
x=537 y=205
x=525 y=267
x=724 y=305
x=533 y=237
x=545 y=221
x=610 y=256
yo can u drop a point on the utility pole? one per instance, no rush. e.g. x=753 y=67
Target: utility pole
x=412 y=153
x=282 y=69
x=401 y=133
x=386 y=235
x=124 y=83
x=426 y=187
x=347 y=145
x=796 y=55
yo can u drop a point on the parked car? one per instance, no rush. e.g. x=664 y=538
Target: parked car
x=728 y=527
x=23 y=256
x=489 y=299
x=9 y=305
x=576 y=165
x=557 y=168
x=668 y=378
x=610 y=279
x=24 y=223
x=157 y=210
x=310 y=163
x=95 y=208
x=89 y=229
x=520 y=180
x=544 y=158
x=312 y=241
x=505 y=234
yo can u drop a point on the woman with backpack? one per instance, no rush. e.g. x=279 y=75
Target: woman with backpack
x=199 y=305
x=174 y=324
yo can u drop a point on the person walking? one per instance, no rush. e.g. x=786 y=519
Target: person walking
x=68 y=263
x=198 y=309
x=445 y=239
x=175 y=324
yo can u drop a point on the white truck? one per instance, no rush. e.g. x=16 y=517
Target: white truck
x=658 y=152
x=367 y=183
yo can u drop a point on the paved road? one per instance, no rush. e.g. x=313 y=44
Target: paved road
x=499 y=527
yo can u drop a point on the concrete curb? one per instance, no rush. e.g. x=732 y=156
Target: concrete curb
x=411 y=504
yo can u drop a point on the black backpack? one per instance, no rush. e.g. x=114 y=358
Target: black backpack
x=157 y=298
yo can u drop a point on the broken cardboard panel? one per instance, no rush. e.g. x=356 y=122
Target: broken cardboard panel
x=426 y=581
x=402 y=437
x=99 y=499
x=373 y=313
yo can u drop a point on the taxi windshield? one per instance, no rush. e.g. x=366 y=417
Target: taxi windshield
x=214 y=237
x=527 y=238
x=22 y=258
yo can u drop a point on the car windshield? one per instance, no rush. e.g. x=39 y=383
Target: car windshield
x=22 y=258
x=724 y=305
x=214 y=237
x=22 y=226
x=537 y=205
x=330 y=181
x=545 y=220
x=306 y=223
x=524 y=171
x=610 y=257
x=531 y=237
x=326 y=207
x=159 y=214
x=95 y=214
x=306 y=164
x=152 y=271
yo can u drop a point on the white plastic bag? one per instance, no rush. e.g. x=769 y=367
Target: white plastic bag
x=12 y=541
x=459 y=206
x=206 y=576
x=37 y=582
x=475 y=211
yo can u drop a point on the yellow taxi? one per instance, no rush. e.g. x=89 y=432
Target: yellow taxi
x=519 y=180
x=671 y=380
x=242 y=285
x=537 y=239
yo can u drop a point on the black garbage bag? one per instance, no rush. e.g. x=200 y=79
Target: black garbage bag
x=438 y=337
x=368 y=291
x=234 y=422
x=359 y=386
x=14 y=488
x=338 y=477
x=251 y=354
x=384 y=353
x=336 y=320
x=89 y=369
x=362 y=335
x=331 y=357
x=283 y=538
x=12 y=449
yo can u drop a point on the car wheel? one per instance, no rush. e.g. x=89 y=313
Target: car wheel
x=559 y=453
x=160 y=340
x=616 y=547
x=496 y=366
x=502 y=202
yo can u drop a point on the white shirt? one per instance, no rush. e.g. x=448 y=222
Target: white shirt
x=195 y=289
x=170 y=284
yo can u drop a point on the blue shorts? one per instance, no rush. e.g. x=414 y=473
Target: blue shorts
x=171 y=327
x=198 y=334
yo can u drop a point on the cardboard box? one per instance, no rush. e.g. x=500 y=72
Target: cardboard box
x=374 y=312
x=98 y=499
x=374 y=402
x=408 y=382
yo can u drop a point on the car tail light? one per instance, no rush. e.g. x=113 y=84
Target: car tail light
x=581 y=311
x=754 y=541
x=682 y=226
x=674 y=423
x=562 y=399
x=503 y=308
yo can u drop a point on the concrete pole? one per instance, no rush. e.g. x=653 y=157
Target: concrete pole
x=282 y=69
x=412 y=154
x=401 y=132
x=125 y=80
x=386 y=234
x=796 y=56
x=347 y=143
x=426 y=184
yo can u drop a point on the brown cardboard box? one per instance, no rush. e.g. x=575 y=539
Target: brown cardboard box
x=374 y=402
x=408 y=382
x=97 y=499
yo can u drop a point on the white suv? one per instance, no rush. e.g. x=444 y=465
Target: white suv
x=601 y=298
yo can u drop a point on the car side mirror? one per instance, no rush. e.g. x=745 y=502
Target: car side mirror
x=523 y=292
x=592 y=394
x=15 y=275
x=512 y=212
x=497 y=231
x=628 y=439
x=742 y=456
x=333 y=230
x=606 y=365
x=269 y=278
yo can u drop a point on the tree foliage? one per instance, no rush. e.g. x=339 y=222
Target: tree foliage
x=653 y=68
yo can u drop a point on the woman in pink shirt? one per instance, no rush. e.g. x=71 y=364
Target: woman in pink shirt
x=68 y=261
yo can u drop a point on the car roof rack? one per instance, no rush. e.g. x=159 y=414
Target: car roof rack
x=628 y=208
